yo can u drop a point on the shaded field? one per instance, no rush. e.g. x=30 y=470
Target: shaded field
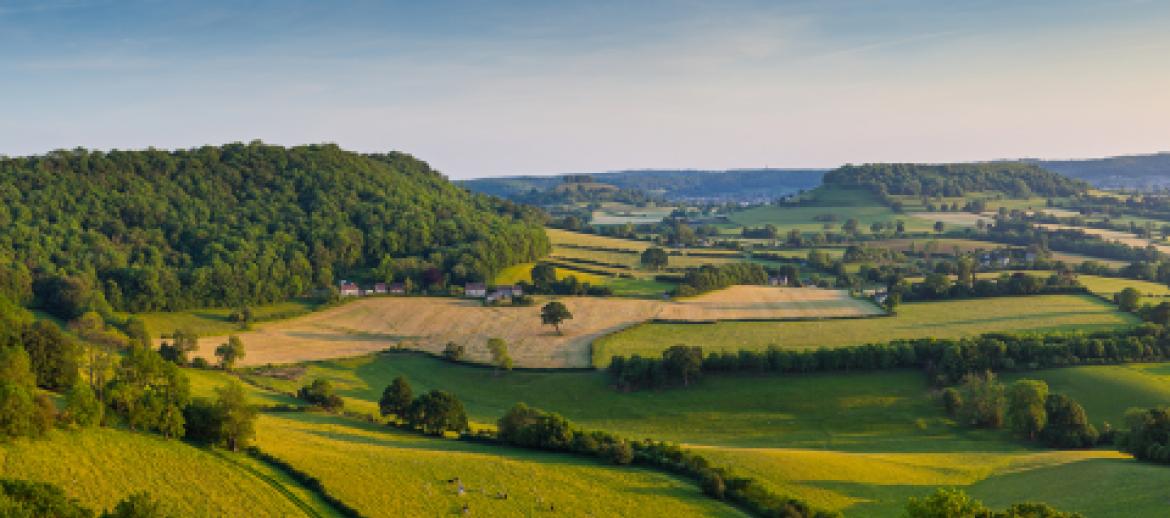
x=429 y=324
x=1107 y=286
x=382 y=472
x=941 y=319
x=214 y=321
x=101 y=467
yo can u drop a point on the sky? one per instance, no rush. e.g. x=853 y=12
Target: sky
x=480 y=88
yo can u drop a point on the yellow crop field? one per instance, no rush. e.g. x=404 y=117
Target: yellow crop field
x=101 y=467
x=428 y=324
x=382 y=472
x=523 y=272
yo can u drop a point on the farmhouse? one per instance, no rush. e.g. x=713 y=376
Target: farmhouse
x=475 y=289
x=349 y=289
x=397 y=288
x=380 y=288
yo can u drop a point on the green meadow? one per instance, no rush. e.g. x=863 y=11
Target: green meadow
x=859 y=442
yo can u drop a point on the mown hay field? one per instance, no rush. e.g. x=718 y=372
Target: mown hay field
x=102 y=466
x=429 y=324
x=941 y=246
x=382 y=472
x=941 y=319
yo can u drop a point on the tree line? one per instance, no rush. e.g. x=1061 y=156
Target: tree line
x=22 y=498
x=241 y=224
x=945 y=361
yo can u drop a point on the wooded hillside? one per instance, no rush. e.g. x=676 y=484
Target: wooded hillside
x=241 y=224
x=1012 y=178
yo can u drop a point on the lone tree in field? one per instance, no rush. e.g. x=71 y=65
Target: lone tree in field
x=500 y=357
x=553 y=314
x=682 y=362
x=396 y=398
x=230 y=353
x=238 y=425
x=654 y=258
x=1127 y=300
x=939 y=226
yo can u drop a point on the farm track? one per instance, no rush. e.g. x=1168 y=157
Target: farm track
x=275 y=484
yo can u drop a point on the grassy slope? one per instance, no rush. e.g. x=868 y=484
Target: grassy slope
x=944 y=319
x=859 y=442
x=387 y=473
x=102 y=466
x=214 y=321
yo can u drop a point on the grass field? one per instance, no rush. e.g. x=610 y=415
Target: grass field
x=1124 y=238
x=1107 y=286
x=100 y=467
x=206 y=322
x=942 y=319
x=428 y=324
x=387 y=473
x=859 y=442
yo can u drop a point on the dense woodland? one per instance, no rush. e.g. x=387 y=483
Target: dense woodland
x=241 y=224
x=1015 y=179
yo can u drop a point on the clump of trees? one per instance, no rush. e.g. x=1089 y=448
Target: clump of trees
x=231 y=352
x=654 y=258
x=544 y=281
x=320 y=393
x=713 y=277
x=501 y=359
x=954 y=503
x=1147 y=436
x=1056 y=420
x=434 y=413
x=229 y=420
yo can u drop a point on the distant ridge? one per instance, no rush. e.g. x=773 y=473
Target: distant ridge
x=671 y=184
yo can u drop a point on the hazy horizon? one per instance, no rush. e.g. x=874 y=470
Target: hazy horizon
x=525 y=88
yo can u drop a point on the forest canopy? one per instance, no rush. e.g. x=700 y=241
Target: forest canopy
x=1012 y=178
x=241 y=224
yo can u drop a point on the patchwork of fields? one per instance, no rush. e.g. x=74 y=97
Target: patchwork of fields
x=429 y=324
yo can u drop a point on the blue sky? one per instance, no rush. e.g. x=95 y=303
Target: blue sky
x=483 y=88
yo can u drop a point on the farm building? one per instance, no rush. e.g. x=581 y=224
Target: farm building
x=349 y=289
x=475 y=289
x=397 y=288
x=380 y=288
